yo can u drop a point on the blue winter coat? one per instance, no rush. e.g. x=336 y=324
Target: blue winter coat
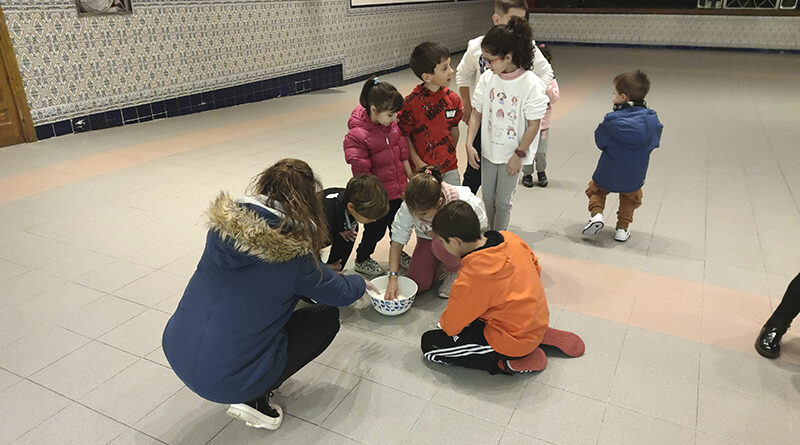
x=227 y=339
x=626 y=138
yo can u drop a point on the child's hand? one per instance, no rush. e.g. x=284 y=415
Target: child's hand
x=348 y=235
x=514 y=165
x=472 y=157
x=391 y=289
x=336 y=267
x=371 y=286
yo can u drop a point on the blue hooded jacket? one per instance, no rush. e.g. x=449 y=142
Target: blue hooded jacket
x=227 y=339
x=626 y=138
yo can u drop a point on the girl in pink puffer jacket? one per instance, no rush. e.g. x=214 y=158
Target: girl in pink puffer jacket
x=375 y=145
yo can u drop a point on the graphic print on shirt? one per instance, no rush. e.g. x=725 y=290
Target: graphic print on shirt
x=501 y=98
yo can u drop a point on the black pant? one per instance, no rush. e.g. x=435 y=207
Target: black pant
x=310 y=330
x=340 y=249
x=373 y=232
x=472 y=177
x=468 y=349
x=789 y=307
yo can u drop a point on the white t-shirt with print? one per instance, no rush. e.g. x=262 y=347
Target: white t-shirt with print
x=506 y=106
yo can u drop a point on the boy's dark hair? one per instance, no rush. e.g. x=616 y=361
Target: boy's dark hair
x=516 y=39
x=457 y=219
x=424 y=189
x=383 y=95
x=426 y=56
x=635 y=84
x=503 y=6
x=368 y=196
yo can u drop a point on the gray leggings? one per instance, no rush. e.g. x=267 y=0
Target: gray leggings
x=540 y=159
x=498 y=190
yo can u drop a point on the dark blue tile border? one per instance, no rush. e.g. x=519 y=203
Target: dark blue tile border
x=256 y=91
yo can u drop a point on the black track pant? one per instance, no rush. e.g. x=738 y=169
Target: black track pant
x=468 y=349
x=472 y=177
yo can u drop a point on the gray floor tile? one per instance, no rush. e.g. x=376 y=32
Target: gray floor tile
x=557 y=416
x=57 y=303
x=489 y=397
x=101 y=316
x=25 y=405
x=656 y=393
x=39 y=349
x=7 y=379
x=140 y=335
x=740 y=416
x=438 y=424
x=84 y=369
x=10 y=270
x=153 y=288
x=621 y=427
x=292 y=430
x=601 y=336
x=744 y=372
x=511 y=437
x=185 y=418
x=389 y=414
x=662 y=352
x=355 y=351
x=142 y=386
x=23 y=287
x=590 y=375
x=133 y=437
x=76 y=424
x=114 y=275
x=314 y=392
x=406 y=370
x=711 y=439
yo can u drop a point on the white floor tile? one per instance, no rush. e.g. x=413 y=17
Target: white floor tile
x=152 y=289
x=39 y=349
x=140 y=335
x=25 y=405
x=438 y=424
x=134 y=392
x=84 y=369
x=101 y=316
x=185 y=418
x=622 y=426
x=75 y=424
x=314 y=392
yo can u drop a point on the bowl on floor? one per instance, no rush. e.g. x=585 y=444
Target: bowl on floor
x=407 y=290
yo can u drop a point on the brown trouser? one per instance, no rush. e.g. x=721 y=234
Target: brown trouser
x=628 y=202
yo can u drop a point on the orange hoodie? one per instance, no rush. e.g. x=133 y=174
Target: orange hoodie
x=501 y=286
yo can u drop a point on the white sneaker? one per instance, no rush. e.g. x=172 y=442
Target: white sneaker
x=595 y=224
x=447 y=284
x=622 y=235
x=255 y=418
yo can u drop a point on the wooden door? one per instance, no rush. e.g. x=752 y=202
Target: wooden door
x=10 y=125
x=15 y=117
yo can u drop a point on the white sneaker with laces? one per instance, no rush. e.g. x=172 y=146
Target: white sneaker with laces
x=593 y=226
x=447 y=283
x=622 y=235
x=255 y=418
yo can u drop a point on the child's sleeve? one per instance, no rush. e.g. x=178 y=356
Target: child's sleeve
x=403 y=225
x=601 y=136
x=463 y=307
x=356 y=154
x=405 y=119
x=332 y=289
x=553 y=92
x=477 y=206
x=467 y=67
x=541 y=67
x=535 y=104
x=459 y=110
x=480 y=87
x=402 y=143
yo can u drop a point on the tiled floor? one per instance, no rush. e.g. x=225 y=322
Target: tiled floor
x=102 y=230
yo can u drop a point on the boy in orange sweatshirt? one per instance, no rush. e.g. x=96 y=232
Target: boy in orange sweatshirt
x=497 y=315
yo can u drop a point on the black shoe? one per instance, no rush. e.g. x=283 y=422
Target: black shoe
x=542 y=179
x=263 y=406
x=768 y=343
x=527 y=180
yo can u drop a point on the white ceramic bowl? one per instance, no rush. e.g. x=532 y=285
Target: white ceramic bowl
x=407 y=290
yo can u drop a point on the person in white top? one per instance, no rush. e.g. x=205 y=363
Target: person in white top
x=472 y=66
x=508 y=104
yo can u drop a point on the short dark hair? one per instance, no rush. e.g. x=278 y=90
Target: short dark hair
x=503 y=6
x=426 y=56
x=368 y=196
x=457 y=219
x=383 y=95
x=635 y=84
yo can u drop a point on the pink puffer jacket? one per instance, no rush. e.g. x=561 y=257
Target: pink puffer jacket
x=376 y=149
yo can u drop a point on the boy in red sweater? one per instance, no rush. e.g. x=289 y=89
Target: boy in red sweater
x=497 y=315
x=431 y=113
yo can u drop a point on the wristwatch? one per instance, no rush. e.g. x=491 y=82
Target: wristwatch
x=392 y=274
x=521 y=153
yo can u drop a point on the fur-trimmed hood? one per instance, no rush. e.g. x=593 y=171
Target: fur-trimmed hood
x=248 y=226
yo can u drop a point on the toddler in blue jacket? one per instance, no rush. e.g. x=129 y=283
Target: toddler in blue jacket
x=626 y=137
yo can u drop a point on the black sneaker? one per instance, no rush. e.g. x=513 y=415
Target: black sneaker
x=527 y=180
x=542 y=179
